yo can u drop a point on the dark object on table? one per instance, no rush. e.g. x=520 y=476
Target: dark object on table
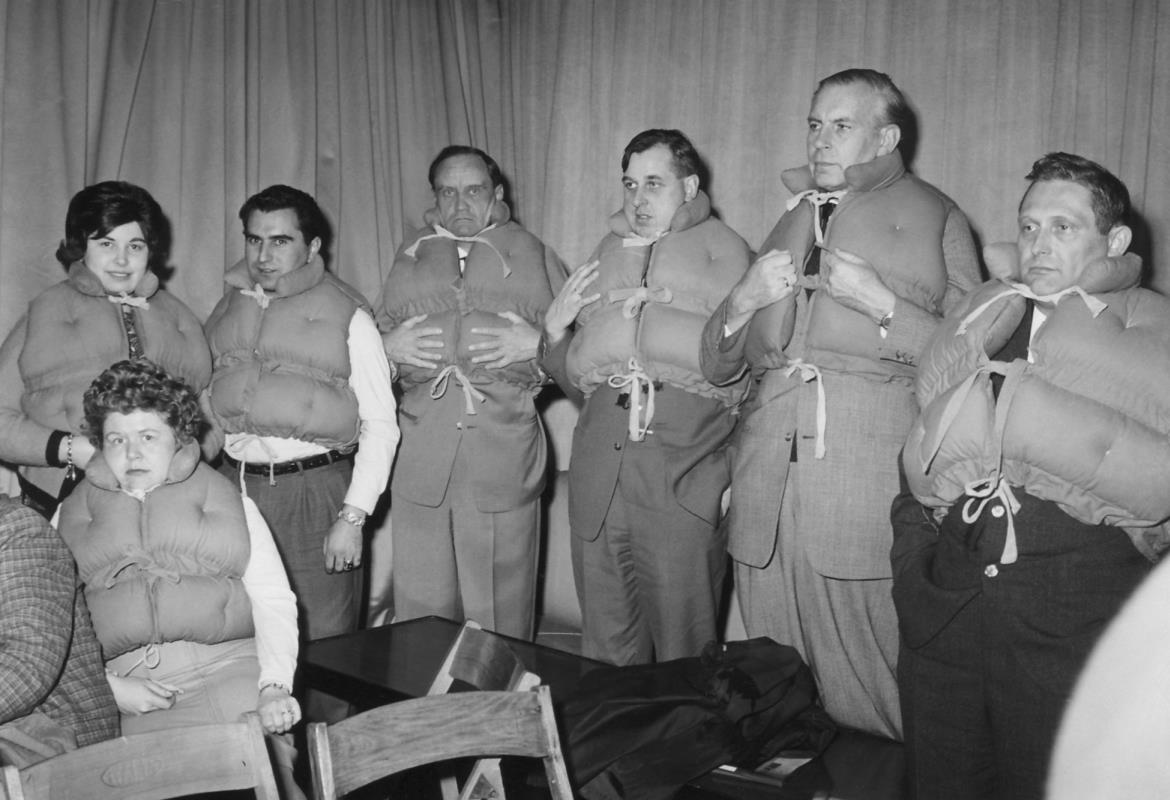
x=644 y=731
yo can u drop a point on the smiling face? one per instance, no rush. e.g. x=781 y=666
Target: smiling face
x=275 y=246
x=652 y=192
x=845 y=128
x=1059 y=238
x=464 y=194
x=119 y=258
x=139 y=447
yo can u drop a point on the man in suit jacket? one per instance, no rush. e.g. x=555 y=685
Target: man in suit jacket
x=829 y=322
x=461 y=313
x=648 y=466
x=53 y=690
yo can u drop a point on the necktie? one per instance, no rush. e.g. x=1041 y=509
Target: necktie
x=824 y=210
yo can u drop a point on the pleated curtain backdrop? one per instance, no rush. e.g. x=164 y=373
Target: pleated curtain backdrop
x=206 y=101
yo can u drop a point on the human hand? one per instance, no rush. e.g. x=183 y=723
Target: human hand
x=136 y=696
x=408 y=344
x=343 y=545
x=771 y=277
x=563 y=311
x=854 y=283
x=505 y=346
x=279 y=711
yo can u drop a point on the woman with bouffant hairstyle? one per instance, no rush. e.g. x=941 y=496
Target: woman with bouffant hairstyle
x=109 y=307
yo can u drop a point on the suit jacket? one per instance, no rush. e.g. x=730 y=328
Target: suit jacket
x=49 y=657
x=842 y=501
x=503 y=439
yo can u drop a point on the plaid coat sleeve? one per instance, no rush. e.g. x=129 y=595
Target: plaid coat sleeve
x=49 y=657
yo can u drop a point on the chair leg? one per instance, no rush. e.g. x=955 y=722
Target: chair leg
x=484 y=782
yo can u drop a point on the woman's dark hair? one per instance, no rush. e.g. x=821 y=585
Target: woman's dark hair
x=141 y=385
x=96 y=210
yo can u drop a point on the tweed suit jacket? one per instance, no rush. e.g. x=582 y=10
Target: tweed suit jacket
x=841 y=502
x=49 y=657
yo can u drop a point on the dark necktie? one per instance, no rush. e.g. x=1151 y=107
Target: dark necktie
x=824 y=211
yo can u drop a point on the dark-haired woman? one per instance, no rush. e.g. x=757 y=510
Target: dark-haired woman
x=108 y=308
x=187 y=593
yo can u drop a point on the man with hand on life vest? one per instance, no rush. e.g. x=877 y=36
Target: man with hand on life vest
x=1039 y=469
x=648 y=463
x=461 y=312
x=829 y=322
x=301 y=388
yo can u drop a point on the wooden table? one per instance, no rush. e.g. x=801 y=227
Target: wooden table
x=395 y=662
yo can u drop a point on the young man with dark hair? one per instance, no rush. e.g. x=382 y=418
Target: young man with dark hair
x=301 y=389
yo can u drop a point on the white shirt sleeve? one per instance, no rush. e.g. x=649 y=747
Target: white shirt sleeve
x=369 y=377
x=274 y=606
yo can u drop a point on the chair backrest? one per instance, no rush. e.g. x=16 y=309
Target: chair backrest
x=483 y=660
x=153 y=766
x=387 y=740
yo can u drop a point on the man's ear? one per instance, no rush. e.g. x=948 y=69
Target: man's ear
x=690 y=187
x=1119 y=239
x=499 y=193
x=314 y=248
x=888 y=138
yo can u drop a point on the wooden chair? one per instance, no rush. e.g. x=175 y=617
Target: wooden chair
x=400 y=736
x=482 y=660
x=152 y=766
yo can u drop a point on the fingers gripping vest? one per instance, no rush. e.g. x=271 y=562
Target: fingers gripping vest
x=1085 y=425
x=282 y=368
x=890 y=218
x=166 y=569
x=507 y=269
x=655 y=299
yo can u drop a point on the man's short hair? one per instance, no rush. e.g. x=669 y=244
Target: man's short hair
x=452 y=150
x=895 y=109
x=1108 y=195
x=684 y=157
x=310 y=218
x=98 y=209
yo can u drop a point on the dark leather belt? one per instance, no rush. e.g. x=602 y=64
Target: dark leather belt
x=296 y=465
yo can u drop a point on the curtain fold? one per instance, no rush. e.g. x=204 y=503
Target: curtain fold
x=206 y=101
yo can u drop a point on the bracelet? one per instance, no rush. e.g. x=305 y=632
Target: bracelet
x=70 y=470
x=284 y=687
x=357 y=520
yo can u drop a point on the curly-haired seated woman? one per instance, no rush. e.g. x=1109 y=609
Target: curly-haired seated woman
x=188 y=596
x=108 y=308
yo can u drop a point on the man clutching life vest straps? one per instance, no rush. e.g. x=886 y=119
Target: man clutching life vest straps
x=648 y=467
x=461 y=313
x=1038 y=467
